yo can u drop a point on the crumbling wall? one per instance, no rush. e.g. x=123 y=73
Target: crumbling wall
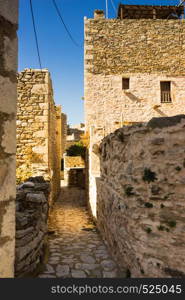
x=8 y=86
x=37 y=153
x=31 y=225
x=140 y=192
x=74 y=170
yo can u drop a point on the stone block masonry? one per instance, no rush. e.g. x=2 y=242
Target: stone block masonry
x=145 y=53
x=8 y=97
x=59 y=141
x=31 y=225
x=38 y=129
x=140 y=193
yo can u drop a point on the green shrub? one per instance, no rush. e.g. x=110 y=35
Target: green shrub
x=23 y=172
x=149 y=176
x=163 y=228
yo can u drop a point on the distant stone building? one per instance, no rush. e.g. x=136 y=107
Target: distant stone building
x=38 y=129
x=134 y=70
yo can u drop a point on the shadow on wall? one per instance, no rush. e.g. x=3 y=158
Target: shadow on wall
x=140 y=197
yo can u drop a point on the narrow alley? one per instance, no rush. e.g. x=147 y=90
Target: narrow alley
x=76 y=249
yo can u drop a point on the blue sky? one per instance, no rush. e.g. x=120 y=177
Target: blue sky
x=58 y=54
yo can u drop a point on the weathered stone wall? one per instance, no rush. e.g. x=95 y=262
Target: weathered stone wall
x=37 y=123
x=145 y=51
x=31 y=225
x=140 y=209
x=8 y=86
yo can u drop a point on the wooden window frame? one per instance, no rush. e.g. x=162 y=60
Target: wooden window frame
x=165 y=89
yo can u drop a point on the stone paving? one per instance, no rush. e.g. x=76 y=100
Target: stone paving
x=76 y=249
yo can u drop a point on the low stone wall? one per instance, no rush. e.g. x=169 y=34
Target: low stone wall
x=140 y=209
x=31 y=225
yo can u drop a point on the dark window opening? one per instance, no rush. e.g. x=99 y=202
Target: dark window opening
x=166 y=92
x=125 y=83
x=62 y=164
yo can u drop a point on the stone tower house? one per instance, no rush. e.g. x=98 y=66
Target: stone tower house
x=8 y=97
x=134 y=70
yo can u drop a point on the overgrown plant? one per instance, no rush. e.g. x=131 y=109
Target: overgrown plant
x=149 y=175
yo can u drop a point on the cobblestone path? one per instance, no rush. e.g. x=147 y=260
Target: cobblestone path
x=76 y=249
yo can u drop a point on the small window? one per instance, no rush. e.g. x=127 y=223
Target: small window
x=166 y=92
x=125 y=83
